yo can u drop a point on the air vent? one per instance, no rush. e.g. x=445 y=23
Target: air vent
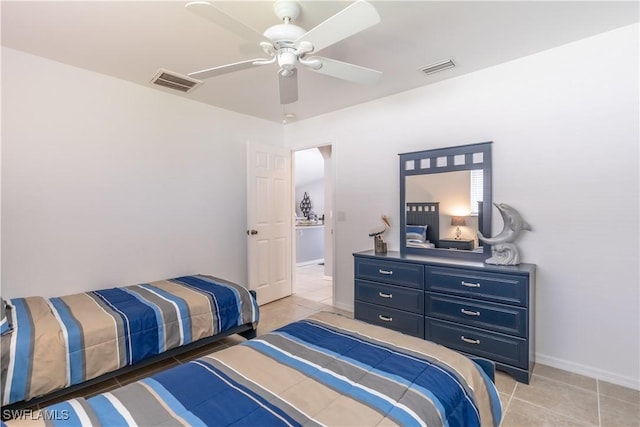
x=438 y=66
x=175 y=81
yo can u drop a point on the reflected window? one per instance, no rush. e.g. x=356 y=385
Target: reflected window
x=476 y=190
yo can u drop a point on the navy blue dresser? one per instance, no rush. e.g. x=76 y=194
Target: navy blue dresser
x=472 y=307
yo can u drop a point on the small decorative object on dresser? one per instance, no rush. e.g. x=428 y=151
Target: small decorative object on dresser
x=379 y=245
x=503 y=249
x=474 y=308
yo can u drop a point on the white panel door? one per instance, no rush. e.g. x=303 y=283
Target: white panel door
x=269 y=216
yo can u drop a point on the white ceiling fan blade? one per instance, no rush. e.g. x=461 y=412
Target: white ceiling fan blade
x=288 y=86
x=224 y=69
x=206 y=10
x=349 y=21
x=345 y=71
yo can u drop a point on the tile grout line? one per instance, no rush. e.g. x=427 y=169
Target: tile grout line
x=565 y=384
x=554 y=411
x=598 y=401
x=504 y=412
x=568 y=383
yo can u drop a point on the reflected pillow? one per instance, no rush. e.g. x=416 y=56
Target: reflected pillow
x=417 y=232
x=415 y=236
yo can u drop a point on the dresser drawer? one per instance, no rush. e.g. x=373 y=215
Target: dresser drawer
x=390 y=296
x=496 y=317
x=494 y=346
x=503 y=288
x=397 y=273
x=408 y=323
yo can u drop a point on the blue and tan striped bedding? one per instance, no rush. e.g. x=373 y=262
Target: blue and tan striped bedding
x=57 y=342
x=325 y=370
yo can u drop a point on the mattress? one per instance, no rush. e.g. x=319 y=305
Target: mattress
x=324 y=370
x=57 y=342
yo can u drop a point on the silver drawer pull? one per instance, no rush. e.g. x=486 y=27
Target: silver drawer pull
x=387 y=272
x=470 y=285
x=383 y=295
x=469 y=312
x=385 y=318
x=470 y=341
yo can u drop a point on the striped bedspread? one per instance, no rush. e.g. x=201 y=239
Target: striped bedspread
x=63 y=341
x=325 y=370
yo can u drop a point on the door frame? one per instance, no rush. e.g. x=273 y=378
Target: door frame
x=331 y=216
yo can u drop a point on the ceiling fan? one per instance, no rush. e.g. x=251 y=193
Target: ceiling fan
x=289 y=45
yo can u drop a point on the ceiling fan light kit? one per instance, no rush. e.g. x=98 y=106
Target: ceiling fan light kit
x=288 y=44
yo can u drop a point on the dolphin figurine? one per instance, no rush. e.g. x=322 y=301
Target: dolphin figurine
x=503 y=249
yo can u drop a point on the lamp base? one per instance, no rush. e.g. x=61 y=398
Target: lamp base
x=458 y=233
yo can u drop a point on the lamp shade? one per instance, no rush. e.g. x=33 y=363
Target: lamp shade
x=458 y=220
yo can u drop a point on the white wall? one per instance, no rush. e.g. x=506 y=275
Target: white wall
x=565 y=128
x=108 y=183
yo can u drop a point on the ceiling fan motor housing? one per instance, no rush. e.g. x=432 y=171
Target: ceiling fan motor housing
x=283 y=35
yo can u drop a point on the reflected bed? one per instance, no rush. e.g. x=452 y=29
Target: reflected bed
x=423 y=224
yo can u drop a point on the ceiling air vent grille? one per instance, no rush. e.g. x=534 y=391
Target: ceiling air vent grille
x=175 y=81
x=438 y=66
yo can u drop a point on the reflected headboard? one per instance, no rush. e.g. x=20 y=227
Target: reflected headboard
x=425 y=213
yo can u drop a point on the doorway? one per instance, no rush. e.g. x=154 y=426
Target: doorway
x=313 y=233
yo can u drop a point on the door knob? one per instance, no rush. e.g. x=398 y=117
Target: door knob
x=252 y=232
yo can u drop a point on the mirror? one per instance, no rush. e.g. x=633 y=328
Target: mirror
x=445 y=199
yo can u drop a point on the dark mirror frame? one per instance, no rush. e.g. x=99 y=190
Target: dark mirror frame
x=419 y=157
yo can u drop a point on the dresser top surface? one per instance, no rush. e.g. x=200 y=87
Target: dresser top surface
x=522 y=268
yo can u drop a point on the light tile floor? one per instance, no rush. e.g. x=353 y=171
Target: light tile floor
x=553 y=398
x=312 y=284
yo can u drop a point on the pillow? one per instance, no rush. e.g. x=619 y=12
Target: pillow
x=418 y=232
x=5 y=326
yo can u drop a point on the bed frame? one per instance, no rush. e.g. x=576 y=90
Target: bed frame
x=246 y=331
x=425 y=213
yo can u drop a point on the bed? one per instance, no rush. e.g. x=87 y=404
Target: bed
x=51 y=345
x=423 y=224
x=323 y=370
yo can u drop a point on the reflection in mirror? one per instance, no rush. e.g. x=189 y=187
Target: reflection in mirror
x=456 y=197
x=445 y=199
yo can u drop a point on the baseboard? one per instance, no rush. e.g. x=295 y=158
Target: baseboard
x=588 y=371
x=345 y=307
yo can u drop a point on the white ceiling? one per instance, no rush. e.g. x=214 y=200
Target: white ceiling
x=131 y=40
